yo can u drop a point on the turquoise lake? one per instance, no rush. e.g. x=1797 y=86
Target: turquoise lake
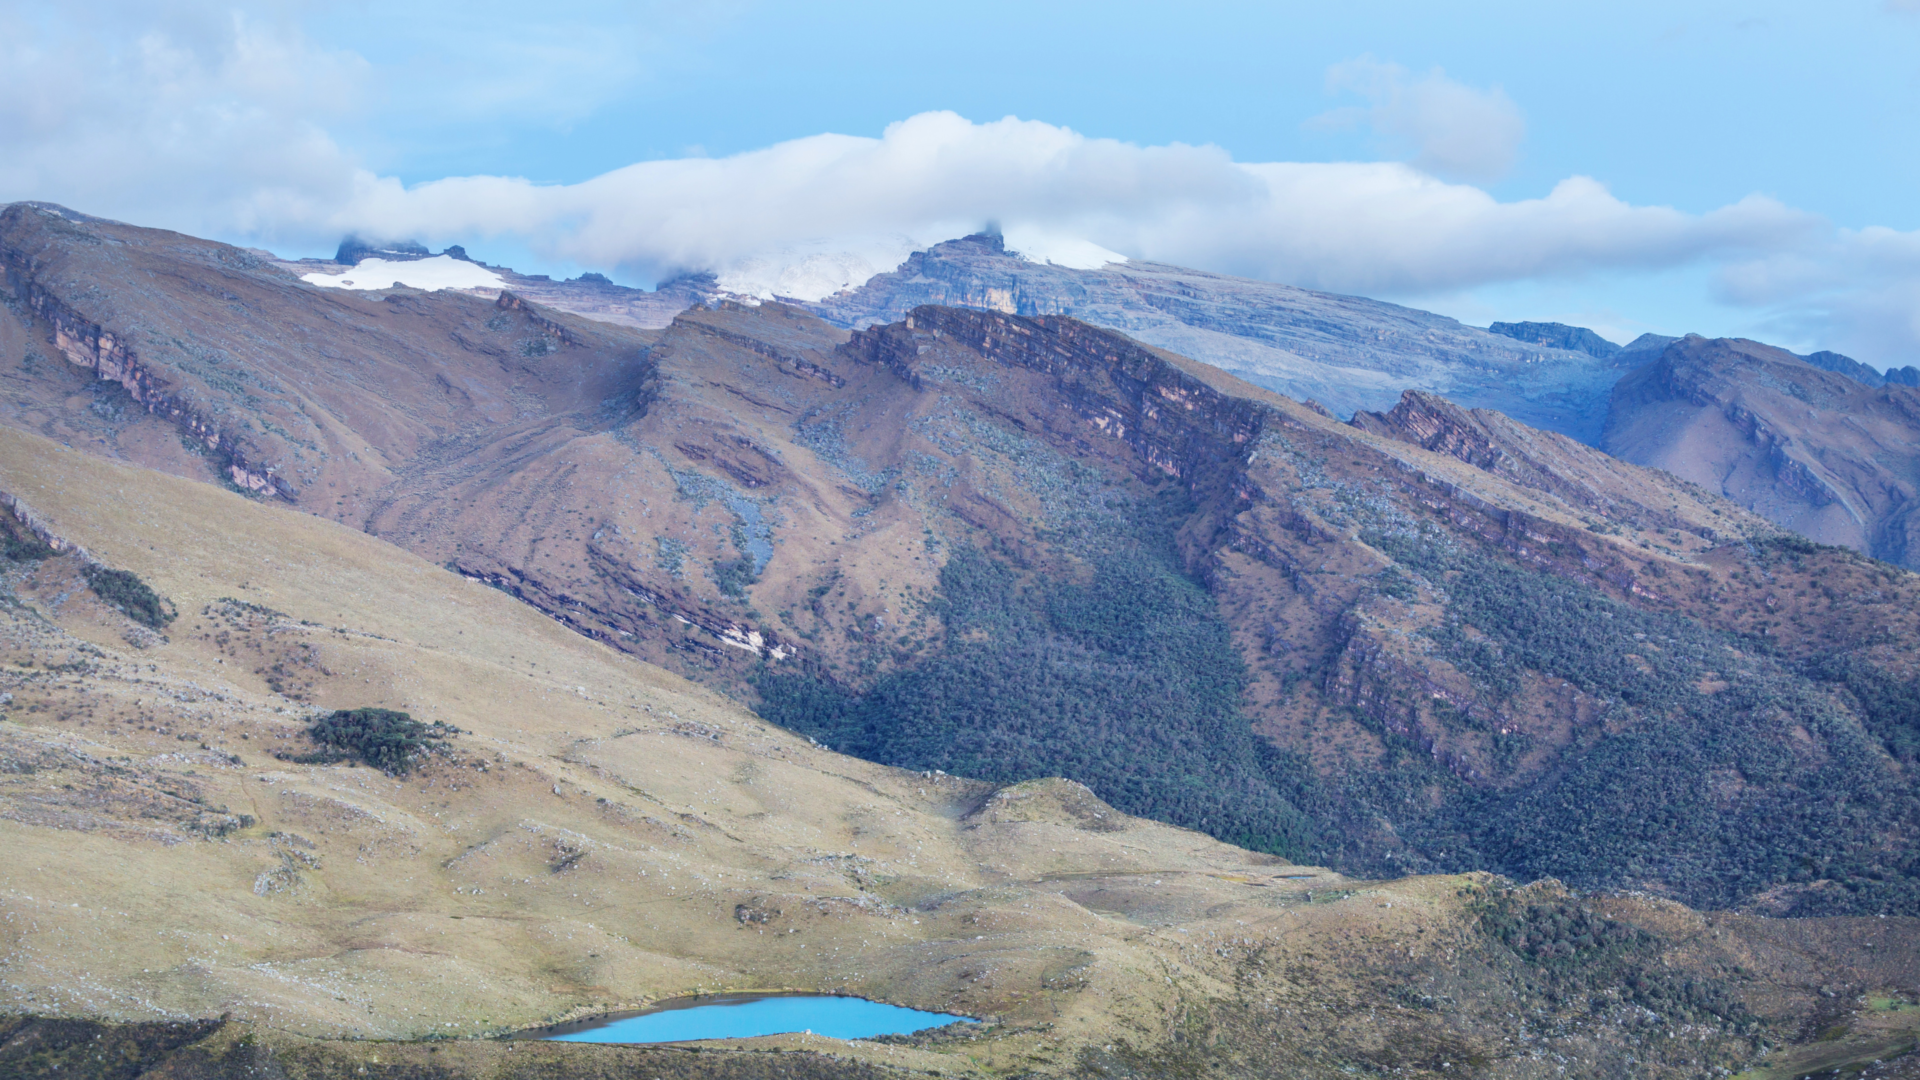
x=748 y=1015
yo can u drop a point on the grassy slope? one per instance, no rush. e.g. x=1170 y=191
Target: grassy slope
x=451 y=902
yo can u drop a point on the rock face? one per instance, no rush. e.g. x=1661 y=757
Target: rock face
x=355 y=248
x=1558 y=336
x=1817 y=451
x=1346 y=352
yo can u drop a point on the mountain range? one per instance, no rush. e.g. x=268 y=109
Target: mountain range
x=1357 y=355
x=955 y=523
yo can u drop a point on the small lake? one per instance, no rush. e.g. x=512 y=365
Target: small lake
x=743 y=1016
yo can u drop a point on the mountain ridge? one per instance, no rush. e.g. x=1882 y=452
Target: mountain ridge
x=1431 y=640
x=1816 y=450
x=1345 y=352
x=753 y=490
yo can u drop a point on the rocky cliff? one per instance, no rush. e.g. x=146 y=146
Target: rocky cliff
x=1541 y=460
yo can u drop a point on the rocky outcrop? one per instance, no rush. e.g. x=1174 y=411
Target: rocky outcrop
x=355 y=248
x=1175 y=421
x=557 y=332
x=1558 y=336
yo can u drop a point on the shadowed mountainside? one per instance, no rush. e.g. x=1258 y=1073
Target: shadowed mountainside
x=1817 y=451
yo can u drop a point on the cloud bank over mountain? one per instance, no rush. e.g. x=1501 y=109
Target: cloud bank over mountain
x=227 y=124
x=1357 y=227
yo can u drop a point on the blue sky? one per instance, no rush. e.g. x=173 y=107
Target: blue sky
x=1736 y=167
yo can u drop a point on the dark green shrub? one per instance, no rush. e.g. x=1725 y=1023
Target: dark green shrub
x=1890 y=706
x=386 y=739
x=1572 y=953
x=734 y=575
x=24 y=548
x=18 y=543
x=124 y=590
x=1697 y=786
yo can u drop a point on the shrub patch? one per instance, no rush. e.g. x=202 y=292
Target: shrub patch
x=135 y=599
x=386 y=739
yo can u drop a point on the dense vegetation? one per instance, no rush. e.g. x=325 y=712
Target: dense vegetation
x=1124 y=679
x=734 y=575
x=1709 y=766
x=18 y=543
x=386 y=739
x=1712 y=768
x=135 y=599
x=1570 y=954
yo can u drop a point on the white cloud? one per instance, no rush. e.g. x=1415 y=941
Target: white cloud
x=1382 y=227
x=1855 y=291
x=224 y=124
x=1452 y=129
x=224 y=116
x=812 y=215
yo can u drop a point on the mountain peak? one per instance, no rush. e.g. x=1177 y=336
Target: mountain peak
x=354 y=248
x=1558 y=336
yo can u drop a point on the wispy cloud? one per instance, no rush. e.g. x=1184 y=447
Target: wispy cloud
x=1451 y=129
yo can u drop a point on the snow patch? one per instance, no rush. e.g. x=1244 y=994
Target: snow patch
x=1039 y=246
x=431 y=275
x=814 y=272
